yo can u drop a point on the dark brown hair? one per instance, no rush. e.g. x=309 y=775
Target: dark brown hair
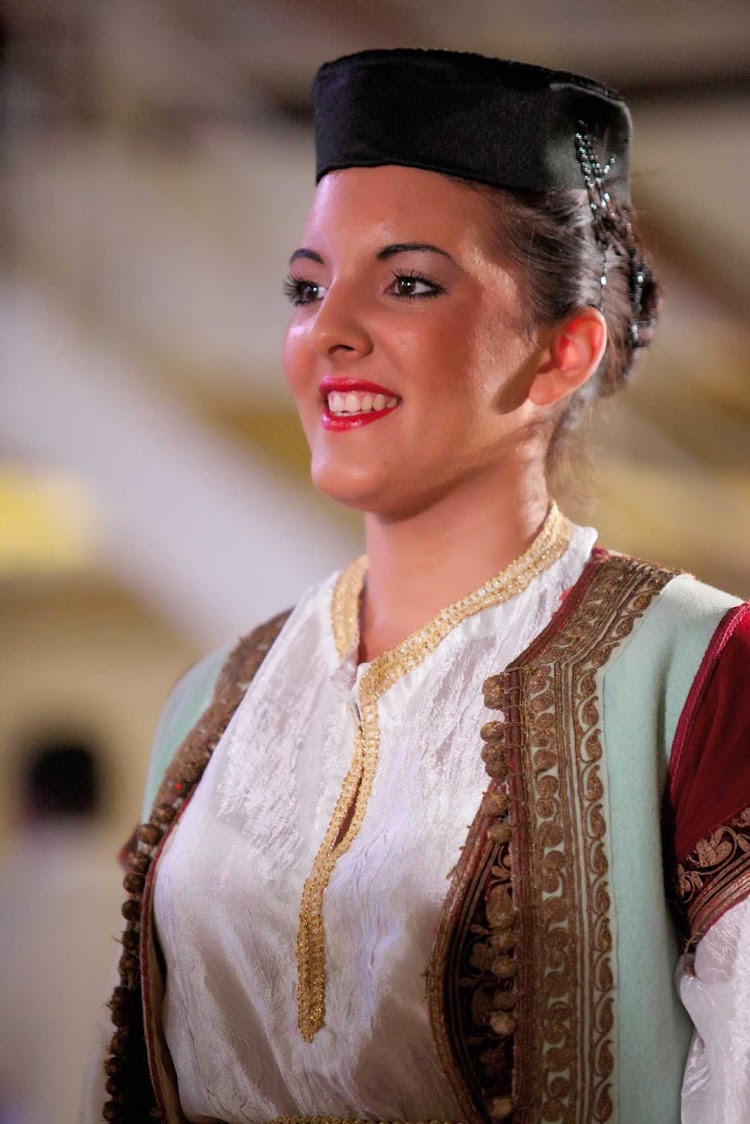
x=551 y=240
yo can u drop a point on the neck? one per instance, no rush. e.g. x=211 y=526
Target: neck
x=420 y=564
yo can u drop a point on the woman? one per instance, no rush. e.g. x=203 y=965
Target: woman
x=421 y=877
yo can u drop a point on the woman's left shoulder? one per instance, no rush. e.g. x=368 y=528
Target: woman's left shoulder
x=699 y=617
x=688 y=601
x=678 y=613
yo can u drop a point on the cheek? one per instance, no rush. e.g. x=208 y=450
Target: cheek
x=295 y=358
x=457 y=367
x=300 y=377
x=436 y=354
x=473 y=381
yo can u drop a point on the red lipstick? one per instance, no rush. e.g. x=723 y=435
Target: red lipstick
x=344 y=384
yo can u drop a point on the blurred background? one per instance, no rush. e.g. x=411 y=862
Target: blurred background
x=156 y=163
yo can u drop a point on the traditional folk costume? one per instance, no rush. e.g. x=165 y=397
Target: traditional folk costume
x=432 y=887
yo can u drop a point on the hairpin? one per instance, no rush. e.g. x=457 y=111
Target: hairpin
x=609 y=228
x=638 y=269
x=603 y=217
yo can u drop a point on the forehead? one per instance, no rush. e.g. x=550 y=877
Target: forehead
x=393 y=203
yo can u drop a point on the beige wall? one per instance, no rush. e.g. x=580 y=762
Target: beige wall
x=77 y=653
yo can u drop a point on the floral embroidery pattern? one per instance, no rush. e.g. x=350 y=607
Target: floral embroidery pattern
x=522 y=979
x=715 y=875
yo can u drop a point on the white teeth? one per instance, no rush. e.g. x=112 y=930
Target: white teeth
x=354 y=402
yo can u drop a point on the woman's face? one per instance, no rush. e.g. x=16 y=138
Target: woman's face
x=406 y=352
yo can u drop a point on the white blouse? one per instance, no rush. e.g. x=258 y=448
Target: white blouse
x=230 y=881
x=715 y=988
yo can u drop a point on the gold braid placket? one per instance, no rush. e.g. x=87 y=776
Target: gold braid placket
x=549 y=545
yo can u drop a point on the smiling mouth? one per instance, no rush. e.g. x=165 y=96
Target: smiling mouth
x=352 y=403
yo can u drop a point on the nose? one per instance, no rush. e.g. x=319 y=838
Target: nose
x=338 y=328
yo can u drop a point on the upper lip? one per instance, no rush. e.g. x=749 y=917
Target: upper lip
x=343 y=383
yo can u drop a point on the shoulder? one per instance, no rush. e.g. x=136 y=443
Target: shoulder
x=686 y=603
x=233 y=665
x=682 y=619
x=242 y=662
x=665 y=623
x=187 y=700
x=675 y=611
x=711 y=629
x=223 y=674
x=684 y=632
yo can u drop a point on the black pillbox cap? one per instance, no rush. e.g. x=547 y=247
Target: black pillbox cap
x=498 y=122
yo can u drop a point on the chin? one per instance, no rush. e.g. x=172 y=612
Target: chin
x=388 y=499
x=350 y=487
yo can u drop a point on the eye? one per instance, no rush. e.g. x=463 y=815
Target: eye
x=299 y=291
x=413 y=286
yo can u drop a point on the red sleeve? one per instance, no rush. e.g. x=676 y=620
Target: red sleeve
x=707 y=803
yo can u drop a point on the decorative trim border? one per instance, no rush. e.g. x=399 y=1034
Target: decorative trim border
x=522 y=978
x=548 y=546
x=715 y=875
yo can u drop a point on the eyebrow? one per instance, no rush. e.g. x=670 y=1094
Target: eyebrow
x=406 y=247
x=303 y=252
x=382 y=255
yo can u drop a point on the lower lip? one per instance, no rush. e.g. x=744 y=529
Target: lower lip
x=339 y=423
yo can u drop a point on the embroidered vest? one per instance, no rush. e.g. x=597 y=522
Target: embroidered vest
x=550 y=983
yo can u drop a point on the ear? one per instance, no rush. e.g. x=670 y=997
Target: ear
x=571 y=355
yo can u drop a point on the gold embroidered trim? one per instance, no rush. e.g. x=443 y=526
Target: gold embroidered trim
x=521 y=984
x=715 y=875
x=345 y=606
x=549 y=545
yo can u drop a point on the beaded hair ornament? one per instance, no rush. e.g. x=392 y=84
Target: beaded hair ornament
x=612 y=230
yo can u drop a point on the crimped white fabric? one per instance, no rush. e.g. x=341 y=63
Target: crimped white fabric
x=229 y=886
x=715 y=989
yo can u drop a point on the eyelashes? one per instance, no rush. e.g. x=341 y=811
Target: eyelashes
x=404 y=286
x=299 y=291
